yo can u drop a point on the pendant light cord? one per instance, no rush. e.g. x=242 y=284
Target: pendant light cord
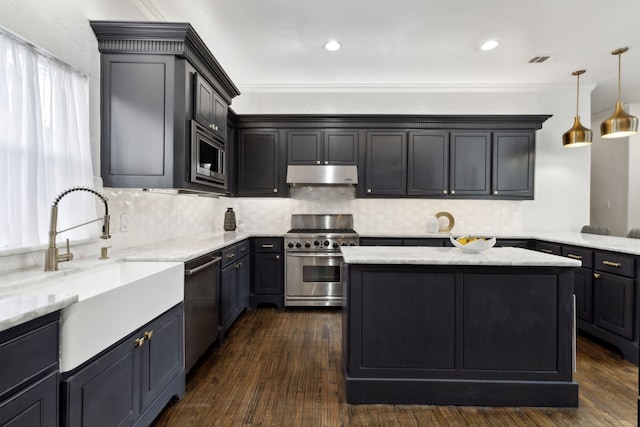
x=619 y=67
x=578 y=96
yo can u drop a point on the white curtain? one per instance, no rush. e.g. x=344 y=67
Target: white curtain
x=44 y=145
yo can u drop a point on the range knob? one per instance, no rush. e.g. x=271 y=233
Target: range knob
x=290 y=244
x=352 y=244
x=316 y=243
x=326 y=243
x=344 y=244
x=298 y=245
x=307 y=245
x=335 y=244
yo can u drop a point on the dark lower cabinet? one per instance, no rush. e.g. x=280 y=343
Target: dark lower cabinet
x=268 y=272
x=29 y=373
x=613 y=303
x=131 y=382
x=235 y=280
x=583 y=290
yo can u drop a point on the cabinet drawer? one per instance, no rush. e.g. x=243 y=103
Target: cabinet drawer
x=28 y=351
x=548 y=248
x=229 y=255
x=615 y=263
x=267 y=244
x=581 y=254
x=244 y=248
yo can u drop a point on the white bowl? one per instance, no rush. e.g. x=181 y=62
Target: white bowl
x=475 y=246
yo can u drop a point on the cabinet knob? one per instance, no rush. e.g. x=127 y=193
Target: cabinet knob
x=275 y=190
x=453 y=191
x=317 y=162
x=138 y=342
x=277 y=256
x=148 y=334
x=596 y=275
x=495 y=192
x=444 y=191
x=214 y=127
x=326 y=162
x=368 y=190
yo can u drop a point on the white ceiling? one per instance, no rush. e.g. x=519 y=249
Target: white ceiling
x=408 y=44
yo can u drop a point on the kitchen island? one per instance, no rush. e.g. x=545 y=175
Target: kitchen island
x=427 y=325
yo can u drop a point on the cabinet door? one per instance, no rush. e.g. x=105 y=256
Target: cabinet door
x=386 y=173
x=428 y=164
x=259 y=164
x=209 y=109
x=35 y=406
x=162 y=354
x=470 y=170
x=228 y=293
x=244 y=281
x=112 y=381
x=513 y=163
x=583 y=290
x=613 y=303
x=340 y=147
x=138 y=96
x=304 y=147
x=268 y=273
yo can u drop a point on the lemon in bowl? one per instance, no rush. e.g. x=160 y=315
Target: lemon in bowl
x=473 y=243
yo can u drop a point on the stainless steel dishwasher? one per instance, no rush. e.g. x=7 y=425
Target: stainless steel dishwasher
x=201 y=306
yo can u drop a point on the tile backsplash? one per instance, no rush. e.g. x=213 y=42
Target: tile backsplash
x=141 y=217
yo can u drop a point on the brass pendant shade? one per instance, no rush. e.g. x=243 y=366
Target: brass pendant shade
x=621 y=123
x=578 y=135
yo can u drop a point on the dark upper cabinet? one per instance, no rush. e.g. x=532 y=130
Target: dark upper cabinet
x=470 y=160
x=513 y=164
x=315 y=147
x=260 y=164
x=428 y=164
x=155 y=79
x=386 y=164
x=209 y=109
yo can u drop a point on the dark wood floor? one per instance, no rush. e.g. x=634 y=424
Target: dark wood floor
x=284 y=368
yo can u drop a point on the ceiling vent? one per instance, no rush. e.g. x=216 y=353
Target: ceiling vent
x=541 y=58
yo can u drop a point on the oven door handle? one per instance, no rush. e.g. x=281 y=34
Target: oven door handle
x=315 y=254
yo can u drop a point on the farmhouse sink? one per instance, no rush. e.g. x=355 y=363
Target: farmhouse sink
x=113 y=300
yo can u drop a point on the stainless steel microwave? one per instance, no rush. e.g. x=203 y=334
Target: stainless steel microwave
x=207 y=157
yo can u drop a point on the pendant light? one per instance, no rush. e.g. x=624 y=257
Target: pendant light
x=620 y=123
x=578 y=135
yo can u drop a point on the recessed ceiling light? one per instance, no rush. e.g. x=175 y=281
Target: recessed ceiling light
x=332 y=45
x=490 y=44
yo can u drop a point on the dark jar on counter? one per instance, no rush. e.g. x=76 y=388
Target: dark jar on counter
x=229 y=220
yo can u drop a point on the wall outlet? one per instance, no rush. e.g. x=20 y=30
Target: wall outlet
x=124 y=222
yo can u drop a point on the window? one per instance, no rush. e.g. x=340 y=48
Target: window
x=44 y=145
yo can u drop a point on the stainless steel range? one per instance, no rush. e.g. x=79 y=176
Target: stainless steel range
x=313 y=272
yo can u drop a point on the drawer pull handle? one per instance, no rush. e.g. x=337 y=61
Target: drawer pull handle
x=596 y=275
x=230 y=256
x=547 y=251
x=267 y=246
x=148 y=335
x=138 y=342
x=611 y=264
x=574 y=256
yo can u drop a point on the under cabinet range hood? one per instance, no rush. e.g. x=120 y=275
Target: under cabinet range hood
x=322 y=175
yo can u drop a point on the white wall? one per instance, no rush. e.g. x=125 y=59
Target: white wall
x=562 y=176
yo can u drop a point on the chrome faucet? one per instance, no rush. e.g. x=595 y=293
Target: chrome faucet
x=52 y=258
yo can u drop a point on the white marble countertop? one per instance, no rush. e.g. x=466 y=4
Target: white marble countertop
x=593 y=241
x=513 y=257
x=18 y=309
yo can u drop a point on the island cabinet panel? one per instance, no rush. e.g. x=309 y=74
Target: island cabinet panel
x=459 y=335
x=500 y=332
x=407 y=342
